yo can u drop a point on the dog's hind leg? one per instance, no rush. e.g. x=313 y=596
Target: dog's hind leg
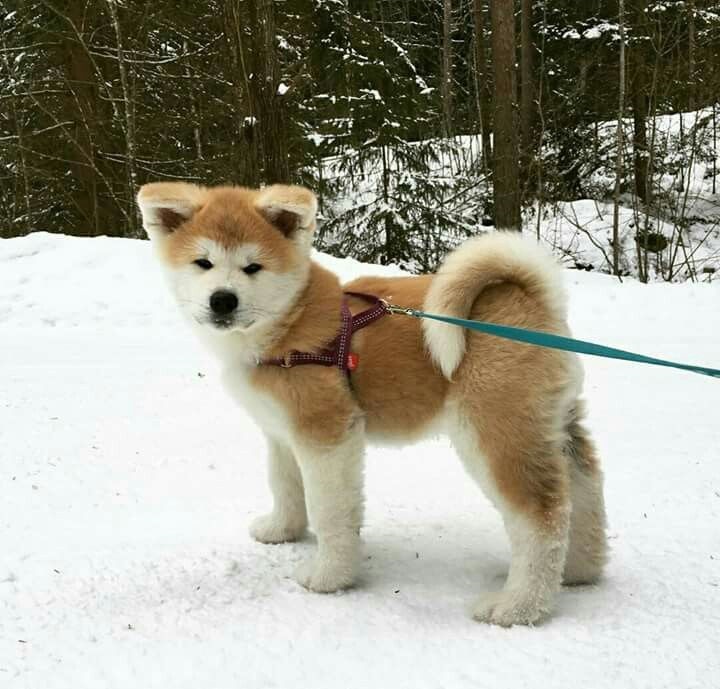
x=333 y=478
x=587 y=552
x=288 y=519
x=526 y=478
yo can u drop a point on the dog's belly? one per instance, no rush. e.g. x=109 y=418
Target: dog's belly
x=389 y=430
x=400 y=404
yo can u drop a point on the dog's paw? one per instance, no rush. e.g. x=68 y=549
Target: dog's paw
x=508 y=608
x=325 y=576
x=581 y=573
x=270 y=529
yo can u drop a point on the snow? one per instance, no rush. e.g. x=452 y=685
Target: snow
x=373 y=93
x=571 y=33
x=129 y=480
x=282 y=89
x=316 y=138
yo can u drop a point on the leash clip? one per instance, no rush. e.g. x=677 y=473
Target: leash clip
x=394 y=308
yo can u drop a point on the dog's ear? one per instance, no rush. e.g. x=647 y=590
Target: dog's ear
x=290 y=209
x=167 y=205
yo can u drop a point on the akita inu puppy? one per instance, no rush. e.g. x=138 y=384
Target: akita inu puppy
x=238 y=261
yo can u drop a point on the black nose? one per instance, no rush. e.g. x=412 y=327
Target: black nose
x=223 y=302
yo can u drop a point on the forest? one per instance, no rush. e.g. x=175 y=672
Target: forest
x=418 y=123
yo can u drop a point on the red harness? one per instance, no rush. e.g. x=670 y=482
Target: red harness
x=337 y=353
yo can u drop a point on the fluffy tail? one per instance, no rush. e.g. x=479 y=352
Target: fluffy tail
x=467 y=271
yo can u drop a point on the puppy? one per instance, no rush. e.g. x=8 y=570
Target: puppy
x=238 y=262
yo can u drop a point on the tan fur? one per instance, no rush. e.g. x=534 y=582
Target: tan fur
x=392 y=350
x=512 y=391
x=511 y=409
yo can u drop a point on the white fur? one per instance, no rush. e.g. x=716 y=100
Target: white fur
x=288 y=518
x=264 y=296
x=536 y=568
x=333 y=480
x=491 y=258
x=262 y=407
x=587 y=549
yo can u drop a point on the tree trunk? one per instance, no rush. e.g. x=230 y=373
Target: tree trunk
x=21 y=191
x=640 y=143
x=640 y=100
x=692 y=72
x=482 y=82
x=268 y=103
x=246 y=142
x=527 y=90
x=89 y=109
x=197 y=117
x=129 y=112
x=505 y=154
x=446 y=90
x=618 y=143
x=78 y=106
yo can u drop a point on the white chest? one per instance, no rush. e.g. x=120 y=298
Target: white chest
x=262 y=407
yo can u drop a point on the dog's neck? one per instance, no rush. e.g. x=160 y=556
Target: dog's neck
x=314 y=318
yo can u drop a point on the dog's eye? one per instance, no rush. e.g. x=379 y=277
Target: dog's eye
x=203 y=263
x=252 y=268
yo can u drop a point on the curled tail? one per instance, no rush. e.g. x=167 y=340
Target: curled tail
x=467 y=271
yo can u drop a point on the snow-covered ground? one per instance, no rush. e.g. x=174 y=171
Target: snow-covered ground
x=128 y=480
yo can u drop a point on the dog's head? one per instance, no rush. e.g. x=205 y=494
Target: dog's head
x=236 y=257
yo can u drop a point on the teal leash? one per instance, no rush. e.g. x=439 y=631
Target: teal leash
x=541 y=339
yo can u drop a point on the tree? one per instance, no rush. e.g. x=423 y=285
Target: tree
x=619 y=142
x=446 y=82
x=357 y=99
x=483 y=91
x=528 y=108
x=640 y=100
x=506 y=170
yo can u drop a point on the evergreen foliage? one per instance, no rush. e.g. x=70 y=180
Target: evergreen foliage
x=376 y=104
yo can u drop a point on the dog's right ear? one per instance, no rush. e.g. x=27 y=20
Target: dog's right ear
x=167 y=205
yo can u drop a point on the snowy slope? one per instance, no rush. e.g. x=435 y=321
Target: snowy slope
x=128 y=480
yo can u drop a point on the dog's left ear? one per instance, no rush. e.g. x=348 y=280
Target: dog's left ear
x=290 y=209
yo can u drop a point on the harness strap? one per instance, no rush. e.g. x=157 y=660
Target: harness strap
x=337 y=353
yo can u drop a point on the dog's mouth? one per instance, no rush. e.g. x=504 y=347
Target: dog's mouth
x=229 y=323
x=234 y=322
x=222 y=323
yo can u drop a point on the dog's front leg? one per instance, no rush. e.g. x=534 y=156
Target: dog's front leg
x=333 y=477
x=288 y=518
